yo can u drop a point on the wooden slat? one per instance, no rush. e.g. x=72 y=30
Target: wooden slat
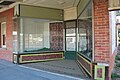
x=86 y=65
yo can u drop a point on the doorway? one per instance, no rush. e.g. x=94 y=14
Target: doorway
x=70 y=40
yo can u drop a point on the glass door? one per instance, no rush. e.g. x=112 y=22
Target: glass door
x=70 y=40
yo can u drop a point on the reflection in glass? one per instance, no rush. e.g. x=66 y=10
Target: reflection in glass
x=85 y=31
x=15 y=35
x=70 y=43
x=70 y=28
x=70 y=32
x=37 y=35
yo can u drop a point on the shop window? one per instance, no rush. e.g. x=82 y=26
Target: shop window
x=33 y=35
x=3 y=34
x=85 y=31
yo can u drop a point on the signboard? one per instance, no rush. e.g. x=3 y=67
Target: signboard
x=99 y=72
x=25 y=58
x=22 y=10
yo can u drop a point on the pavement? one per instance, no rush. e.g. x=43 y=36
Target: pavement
x=10 y=71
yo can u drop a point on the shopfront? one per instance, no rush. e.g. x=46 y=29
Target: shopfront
x=82 y=33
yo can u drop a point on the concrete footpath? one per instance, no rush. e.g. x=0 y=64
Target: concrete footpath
x=10 y=71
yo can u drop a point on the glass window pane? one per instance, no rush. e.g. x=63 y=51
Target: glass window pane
x=40 y=35
x=83 y=43
x=87 y=13
x=85 y=31
x=15 y=35
x=70 y=32
x=71 y=24
x=70 y=43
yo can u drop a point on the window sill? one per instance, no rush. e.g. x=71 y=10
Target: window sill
x=3 y=48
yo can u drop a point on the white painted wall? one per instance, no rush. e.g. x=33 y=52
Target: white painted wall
x=112 y=19
x=70 y=13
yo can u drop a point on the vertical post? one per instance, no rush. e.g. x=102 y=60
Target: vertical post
x=102 y=48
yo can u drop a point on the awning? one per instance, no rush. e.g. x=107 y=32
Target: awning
x=4 y=3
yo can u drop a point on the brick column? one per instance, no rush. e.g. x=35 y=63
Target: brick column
x=102 y=41
x=0 y=35
x=101 y=31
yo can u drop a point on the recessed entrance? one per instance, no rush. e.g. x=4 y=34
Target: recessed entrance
x=62 y=67
x=45 y=38
x=70 y=40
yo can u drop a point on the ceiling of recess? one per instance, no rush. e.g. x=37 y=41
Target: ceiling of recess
x=60 y=4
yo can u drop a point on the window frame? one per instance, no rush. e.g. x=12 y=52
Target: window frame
x=67 y=36
x=92 y=16
x=3 y=45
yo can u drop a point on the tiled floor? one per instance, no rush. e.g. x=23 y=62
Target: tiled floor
x=10 y=71
x=66 y=67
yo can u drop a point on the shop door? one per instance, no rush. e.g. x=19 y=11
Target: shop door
x=70 y=40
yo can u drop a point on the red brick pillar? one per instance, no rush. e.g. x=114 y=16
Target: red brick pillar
x=6 y=16
x=101 y=33
x=0 y=35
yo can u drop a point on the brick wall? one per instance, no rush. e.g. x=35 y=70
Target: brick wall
x=7 y=17
x=102 y=33
x=0 y=36
x=102 y=36
x=101 y=30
